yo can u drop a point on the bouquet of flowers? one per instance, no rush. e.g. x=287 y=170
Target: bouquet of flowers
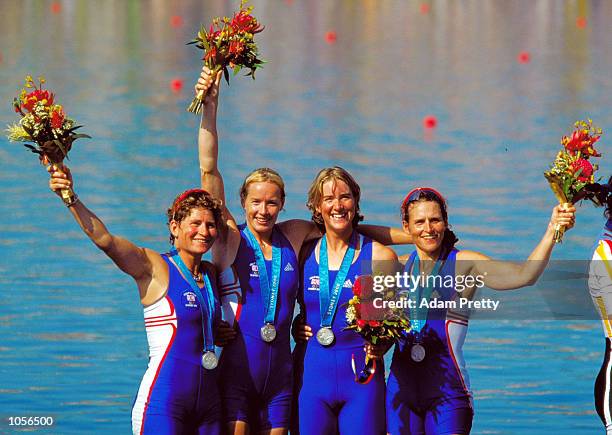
x=379 y=326
x=45 y=124
x=229 y=43
x=571 y=170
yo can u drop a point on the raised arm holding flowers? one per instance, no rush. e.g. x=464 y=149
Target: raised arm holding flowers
x=571 y=170
x=45 y=124
x=178 y=393
x=428 y=389
x=229 y=43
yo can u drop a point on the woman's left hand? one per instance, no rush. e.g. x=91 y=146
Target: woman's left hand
x=224 y=334
x=563 y=215
x=376 y=351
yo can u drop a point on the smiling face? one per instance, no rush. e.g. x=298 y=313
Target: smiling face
x=426 y=225
x=262 y=204
x=337 y=206
x=196 y=233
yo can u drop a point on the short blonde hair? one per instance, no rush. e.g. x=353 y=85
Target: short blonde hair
x=315 y=193
x=262 y=175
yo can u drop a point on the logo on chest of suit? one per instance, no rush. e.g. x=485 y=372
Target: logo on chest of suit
x=253 y=270
x=190 y=300
x=314 y=283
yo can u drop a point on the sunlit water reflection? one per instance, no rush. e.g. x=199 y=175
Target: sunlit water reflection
x=73 y=343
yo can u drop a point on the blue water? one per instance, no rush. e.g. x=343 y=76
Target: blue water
x=72 y=340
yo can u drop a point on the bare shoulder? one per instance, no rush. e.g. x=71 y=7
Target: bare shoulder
x=471 y=255
x=297 y=231
x=155 y=260
x=152 y=286
x=298 y=227
x=382 y=252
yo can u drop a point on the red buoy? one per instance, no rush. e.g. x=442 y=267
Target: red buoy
x=524 y=57
x=176 y=21
x=430 y=122
x=176 y=85
x=331 y=37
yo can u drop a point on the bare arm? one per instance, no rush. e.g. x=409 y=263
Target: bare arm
x=137 y=262
x=386 y=235
x=224 y=251
x=505 y=275
x=300 y=231
x=208 y=141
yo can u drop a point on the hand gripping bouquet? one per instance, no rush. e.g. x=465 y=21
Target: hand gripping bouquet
x=571 y=170
x=229 y=43
x=379 y=326
x=44 y=123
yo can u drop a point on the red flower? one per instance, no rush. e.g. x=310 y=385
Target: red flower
x=57 y=118
x=361 y=323
x=211 y=55
x=34 y=97
x=245 y=22
x=575 y=142
x=374 y=323
x=580 y=140
x=236 y=48
x=357 y=287
x=587 y=169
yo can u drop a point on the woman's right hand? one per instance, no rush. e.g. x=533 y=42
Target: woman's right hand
x=300 y=330
x=206 y=82
x=61 y=178
x=224 y=334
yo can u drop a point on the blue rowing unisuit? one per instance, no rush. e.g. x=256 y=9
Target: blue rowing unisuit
x=176 y=395
x=432 y=396
x=256 y=377
x=329 y=399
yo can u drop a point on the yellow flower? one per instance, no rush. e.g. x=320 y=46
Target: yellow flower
x=16 y=133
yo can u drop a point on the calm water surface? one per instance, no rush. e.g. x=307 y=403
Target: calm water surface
x=72 y=340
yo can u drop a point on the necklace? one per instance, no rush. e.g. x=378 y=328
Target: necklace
x=197 y=278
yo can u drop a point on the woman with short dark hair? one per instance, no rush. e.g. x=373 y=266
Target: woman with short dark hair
x=178 y=393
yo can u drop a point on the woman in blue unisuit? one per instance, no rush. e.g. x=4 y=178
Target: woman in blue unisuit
x=428 y=390
x=329 y=400
x=178 y=393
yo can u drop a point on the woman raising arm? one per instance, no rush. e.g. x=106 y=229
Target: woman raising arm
x=178 y=393
x=428 y=388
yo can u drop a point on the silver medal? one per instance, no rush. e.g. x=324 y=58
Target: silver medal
x=268 y=332
x=325 y=336
x=209 y=360
x=417 y=353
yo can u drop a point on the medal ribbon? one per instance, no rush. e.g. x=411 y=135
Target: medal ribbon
x=418 y=315
x=269 y=290
x=206 y=300
x=328 y=301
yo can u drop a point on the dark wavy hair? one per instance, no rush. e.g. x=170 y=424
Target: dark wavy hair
x=191 y=199
x=600 y=194
x=427 y=194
